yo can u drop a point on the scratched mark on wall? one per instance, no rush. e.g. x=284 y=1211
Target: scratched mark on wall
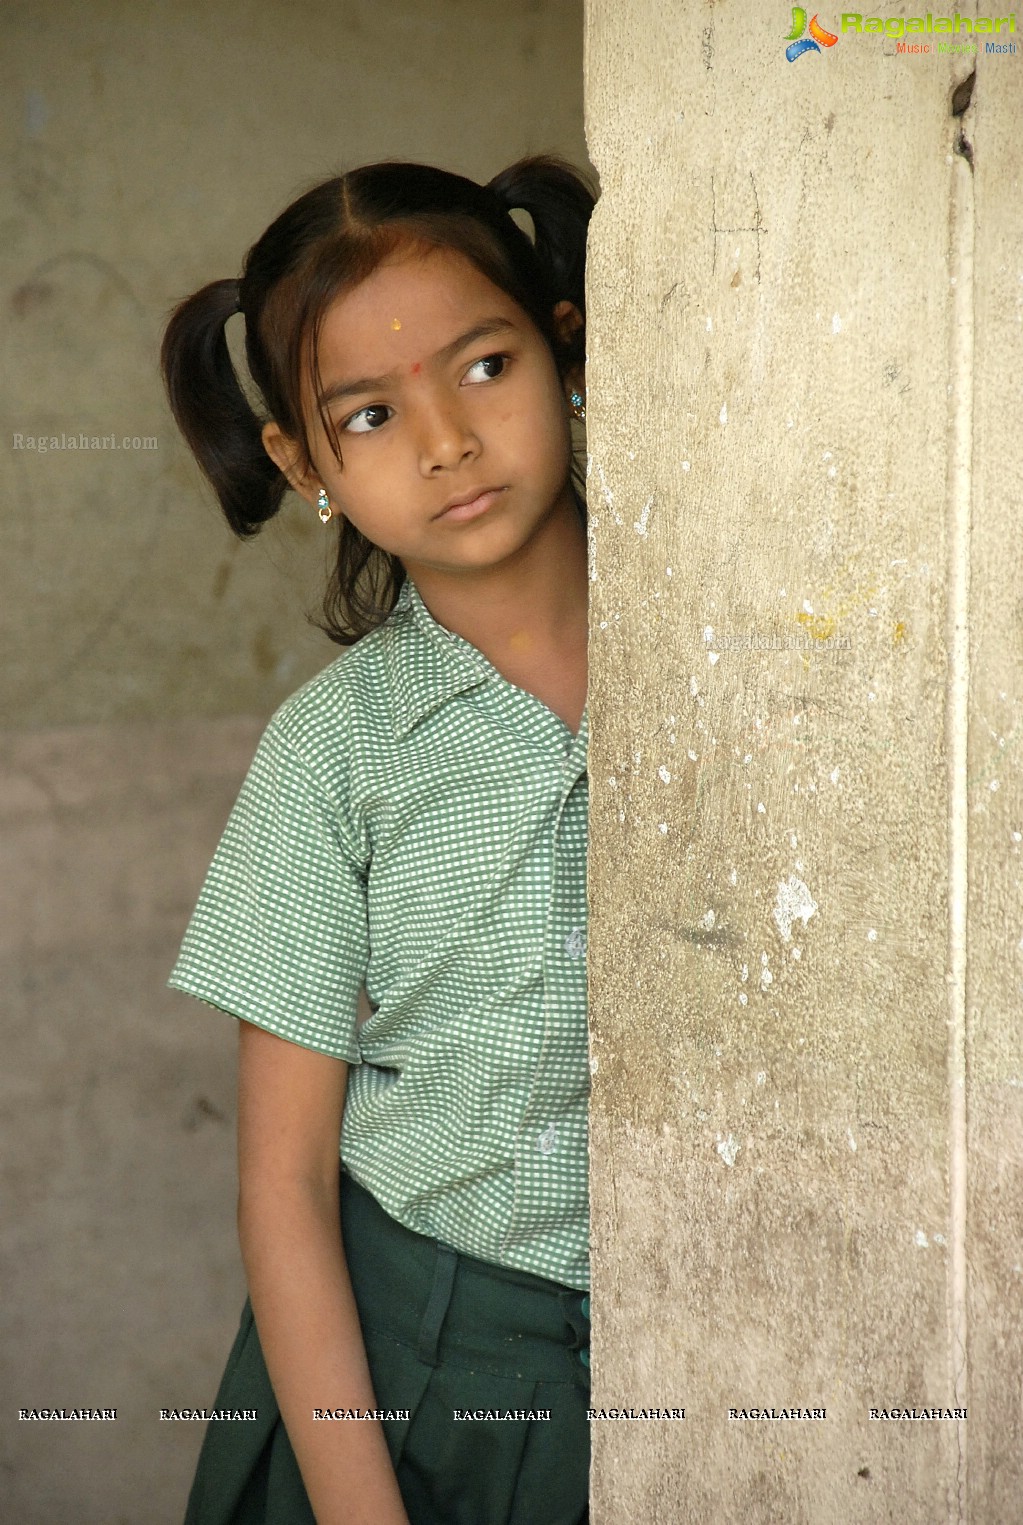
x=756 y=226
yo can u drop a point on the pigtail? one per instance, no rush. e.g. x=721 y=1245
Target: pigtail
x=559 y=201
x=212 y=411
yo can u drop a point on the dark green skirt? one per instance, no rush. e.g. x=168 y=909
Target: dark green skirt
x=444 y=1334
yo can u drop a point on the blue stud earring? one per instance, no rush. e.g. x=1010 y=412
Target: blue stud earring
x=578 y=405
x=323 y=507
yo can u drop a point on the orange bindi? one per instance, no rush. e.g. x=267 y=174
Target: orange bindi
x=395 y=322
x=416 y=367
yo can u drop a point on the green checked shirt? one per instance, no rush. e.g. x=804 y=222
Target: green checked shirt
x=415 y=824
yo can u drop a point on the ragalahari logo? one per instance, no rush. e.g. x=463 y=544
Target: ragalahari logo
x=798 y=44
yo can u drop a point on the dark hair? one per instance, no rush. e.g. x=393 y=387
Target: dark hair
x=323 y=245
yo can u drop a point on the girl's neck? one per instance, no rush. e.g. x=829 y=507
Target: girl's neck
x=530 y=609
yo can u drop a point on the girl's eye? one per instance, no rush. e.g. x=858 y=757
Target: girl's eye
x=376 y=407
x=490 y=360
x=350 y=426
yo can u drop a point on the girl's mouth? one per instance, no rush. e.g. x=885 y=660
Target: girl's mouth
x=473 y=509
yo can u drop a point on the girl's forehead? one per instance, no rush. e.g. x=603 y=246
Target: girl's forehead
x=415 y=290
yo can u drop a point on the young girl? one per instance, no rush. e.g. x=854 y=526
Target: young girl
x=413 y=1210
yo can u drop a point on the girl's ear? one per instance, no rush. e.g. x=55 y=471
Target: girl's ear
x=285 y=455
x=568 y=319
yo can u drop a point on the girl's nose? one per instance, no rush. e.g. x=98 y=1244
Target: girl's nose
x=445 y=432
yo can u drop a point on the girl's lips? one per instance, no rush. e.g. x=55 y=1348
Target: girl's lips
x=475 y=508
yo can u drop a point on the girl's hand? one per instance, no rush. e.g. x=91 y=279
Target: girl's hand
x=290 y=1105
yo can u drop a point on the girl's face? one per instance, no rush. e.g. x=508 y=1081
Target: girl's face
x=452 y=411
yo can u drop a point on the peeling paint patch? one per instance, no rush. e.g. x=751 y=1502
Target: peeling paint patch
x=794 y=901
x=723 y=415
x=920 y=1239
x=644 y=514
x=728 y=1148
x=608 y=495
x=852 y=1141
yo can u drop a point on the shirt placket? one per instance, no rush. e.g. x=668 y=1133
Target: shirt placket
x=541 y=1151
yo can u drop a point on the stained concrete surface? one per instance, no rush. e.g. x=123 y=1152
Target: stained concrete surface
x=806 y=966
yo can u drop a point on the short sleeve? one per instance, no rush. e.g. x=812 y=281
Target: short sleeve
x=279 y=935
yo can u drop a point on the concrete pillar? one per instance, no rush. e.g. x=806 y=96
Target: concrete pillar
x=806 y=314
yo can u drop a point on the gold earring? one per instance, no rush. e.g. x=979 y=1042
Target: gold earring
x=323 y=507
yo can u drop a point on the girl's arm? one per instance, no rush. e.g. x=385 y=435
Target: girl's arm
x=290 y=1104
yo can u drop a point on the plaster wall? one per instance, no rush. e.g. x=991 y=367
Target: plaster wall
x=805 y=305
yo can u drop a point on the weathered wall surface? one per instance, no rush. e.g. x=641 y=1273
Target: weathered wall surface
x=144 y=148
x=806 y=332
x=990 y=911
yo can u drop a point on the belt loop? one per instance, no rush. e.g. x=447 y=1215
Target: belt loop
x=437 y=1304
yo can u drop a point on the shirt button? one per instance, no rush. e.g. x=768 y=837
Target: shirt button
x=548 y=1140
x=575 y=943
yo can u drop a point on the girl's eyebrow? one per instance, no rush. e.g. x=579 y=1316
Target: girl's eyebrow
x=375 y=383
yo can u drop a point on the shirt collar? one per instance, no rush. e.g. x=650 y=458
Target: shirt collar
x=427 y=664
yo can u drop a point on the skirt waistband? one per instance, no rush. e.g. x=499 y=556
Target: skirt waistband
x=456 y=1308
